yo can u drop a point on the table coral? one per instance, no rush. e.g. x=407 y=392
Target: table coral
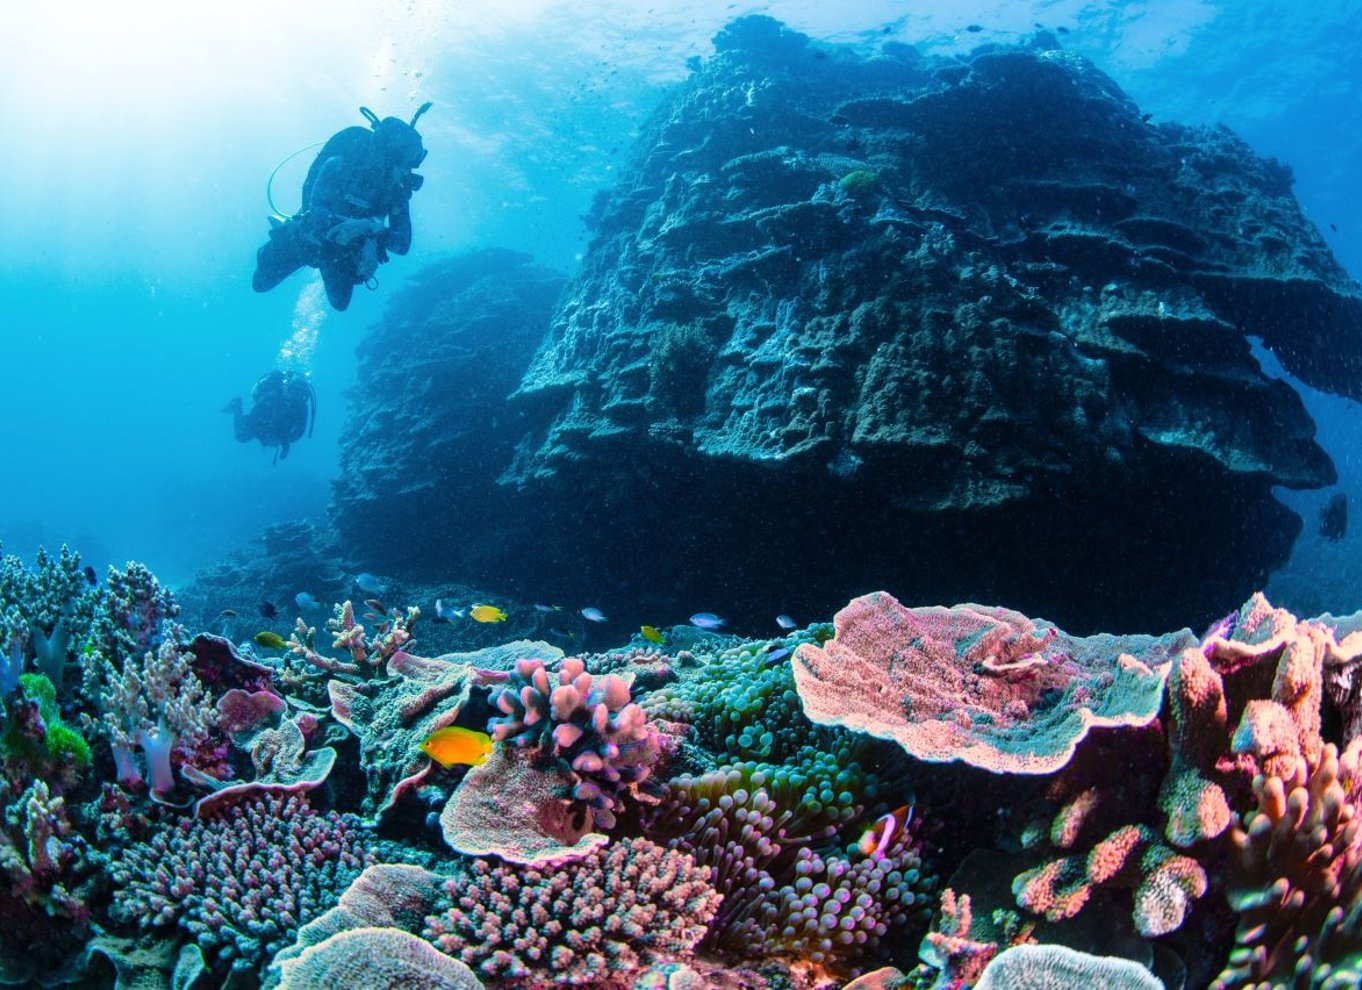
x=586 y=923
x=517 y=806
x=984 y=685
x=242 y=880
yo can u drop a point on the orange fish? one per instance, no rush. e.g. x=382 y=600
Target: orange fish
x=455 y=744
x=887 y=828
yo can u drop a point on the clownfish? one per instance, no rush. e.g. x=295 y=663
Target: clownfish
x=879 y=836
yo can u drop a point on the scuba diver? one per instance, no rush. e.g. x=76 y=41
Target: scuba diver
x=283 y=406
x=356 y=209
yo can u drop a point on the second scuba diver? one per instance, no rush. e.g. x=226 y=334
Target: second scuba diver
x=356 y=208
x=283 y=407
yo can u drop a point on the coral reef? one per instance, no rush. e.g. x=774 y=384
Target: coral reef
x=1296 y=878
x=242 y=880
x=589 y=723
x=592 y=922
x=156 y=702
x=1027 y=967
x=978 y=684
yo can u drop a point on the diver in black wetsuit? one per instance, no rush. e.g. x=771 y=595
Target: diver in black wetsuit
x=356 y=208
x=283 y=407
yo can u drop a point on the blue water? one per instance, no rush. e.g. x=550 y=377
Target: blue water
x=138 y=140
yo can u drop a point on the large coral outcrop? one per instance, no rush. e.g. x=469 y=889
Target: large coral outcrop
x=975 y=317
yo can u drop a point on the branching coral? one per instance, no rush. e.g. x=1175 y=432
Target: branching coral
x=368 y=653
x=586 y=923
x=47 y=863
x=243 y=880
x=589 y=722
x=154 y=701
x=1296 y=865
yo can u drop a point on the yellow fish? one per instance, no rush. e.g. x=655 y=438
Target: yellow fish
x=486 y=613
x=270 y=640
x=455 y=744
x=651 y=634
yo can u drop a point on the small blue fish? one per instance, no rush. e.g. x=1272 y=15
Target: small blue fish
x=306 y=602
x=786 y=623
x=593 y=614
x=708 y=620
x=775 y=656
x=447 y=612
x=368 y=582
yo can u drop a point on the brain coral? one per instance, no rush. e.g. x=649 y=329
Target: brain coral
x=979 y=684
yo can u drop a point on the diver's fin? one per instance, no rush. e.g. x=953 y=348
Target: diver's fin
x=274 y=221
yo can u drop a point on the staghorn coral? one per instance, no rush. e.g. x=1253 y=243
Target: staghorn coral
x=242 y=880
x=589 y=722
x=591 y=922
x=1296 y=879
x=979 y=684
x=368 y=653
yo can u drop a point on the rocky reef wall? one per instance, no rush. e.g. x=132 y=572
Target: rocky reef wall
x=966 y=328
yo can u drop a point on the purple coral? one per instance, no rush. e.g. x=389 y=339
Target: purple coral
x=245 y=879
x=44 y=861
x=584 y=923
x=591 y=722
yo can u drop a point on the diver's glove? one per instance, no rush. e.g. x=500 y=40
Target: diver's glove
x=348 y=230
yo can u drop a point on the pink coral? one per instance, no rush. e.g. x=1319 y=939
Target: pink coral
x=984 y=685
x=587 y=923
x=589 y=722
x=1296 y=864
x=244 y=878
